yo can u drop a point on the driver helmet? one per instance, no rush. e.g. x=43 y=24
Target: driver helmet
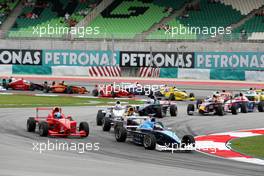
x=57 y=115
x=130 y=111
x=118 y=105
x=153 y=119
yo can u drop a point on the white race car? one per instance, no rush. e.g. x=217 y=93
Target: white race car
x=2 y=89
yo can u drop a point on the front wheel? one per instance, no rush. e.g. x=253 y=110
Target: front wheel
x=84 y=126
x=99 y=118
x=190 y=109
x=120 y=134
x=149 y=142
x=106 y=126
x=173 y=110
x=188 y=143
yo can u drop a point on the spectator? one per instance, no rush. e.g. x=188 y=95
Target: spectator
x=67 y=16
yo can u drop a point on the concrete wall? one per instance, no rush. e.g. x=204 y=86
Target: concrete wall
x=131 y=46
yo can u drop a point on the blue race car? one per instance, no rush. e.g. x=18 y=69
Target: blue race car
x=153 y=135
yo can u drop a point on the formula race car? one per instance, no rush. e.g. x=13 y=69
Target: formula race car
x=253 y=95
x=155 y=137
x=208 y=107
x=62 y=88
x=2 y=89
x=56 y=124
x=111 y=92
x=21 y=84
x=160 y=109
x=242 y=104
x=137 y=89
x=172 y=93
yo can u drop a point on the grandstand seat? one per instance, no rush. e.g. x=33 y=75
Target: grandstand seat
x=244 y=6
x=4 y=11
x=52 y=15
x=207 y=15
x=125 y=19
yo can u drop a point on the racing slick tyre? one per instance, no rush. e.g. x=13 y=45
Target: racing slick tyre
x=106 y=125
x=69 y=90
x=191 y=95
x=32 y=87
x=173 y=110
x=190 y=109
x=99 y=118
x=84 y=126
x=188 y=143
x=31 y=124
x=198 y=103
x=95 y=92
x=158 y=94
x=261 y=106
x=234 y=110
x=149 y=142
x=172 y=97
x=120 y=134
x=158 y=113
x=220 y=110
x=244 y=108
x=46 y=90
x=43 y=129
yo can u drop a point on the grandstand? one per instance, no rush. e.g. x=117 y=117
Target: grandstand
x=128 y=19
x=6 y=8
x=51 y=14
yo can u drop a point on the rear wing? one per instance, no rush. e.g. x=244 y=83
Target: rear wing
x=44 y=109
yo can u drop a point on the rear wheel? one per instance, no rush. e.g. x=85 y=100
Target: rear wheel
x=31 y=124
x=172 y=97
x=173 y=110
x=244 y=108
x=220 y=110
x=149 y=141
x=106 y=126
x=32 y=87
x=120 y=134
x=190 y=109
x=191 y=95
x=188 y=143
x=261 y=106
x=69 y=90
x=43 y=129
x=95 y=92
x=84 y=126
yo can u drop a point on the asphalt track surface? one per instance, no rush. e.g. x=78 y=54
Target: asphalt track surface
x=17 y=156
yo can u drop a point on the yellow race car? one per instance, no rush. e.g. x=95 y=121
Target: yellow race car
x=254 y=95
x=172 y=93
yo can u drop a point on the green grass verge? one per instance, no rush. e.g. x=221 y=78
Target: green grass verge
x=17 y=101
x=252 y=146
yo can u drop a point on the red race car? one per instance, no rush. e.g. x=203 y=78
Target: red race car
x=111 y=92
x=56 y=124
x=21 y=84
